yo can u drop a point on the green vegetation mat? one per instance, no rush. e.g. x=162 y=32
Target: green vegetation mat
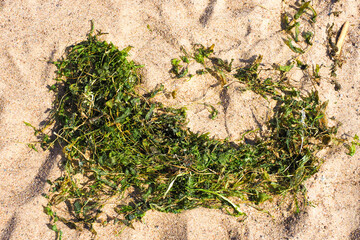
x=119 y=141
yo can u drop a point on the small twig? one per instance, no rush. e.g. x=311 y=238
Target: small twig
x=342 y=36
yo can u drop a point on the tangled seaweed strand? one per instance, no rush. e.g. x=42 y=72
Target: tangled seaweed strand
x=118 y=140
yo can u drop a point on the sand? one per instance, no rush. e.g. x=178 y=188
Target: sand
x=36 y=32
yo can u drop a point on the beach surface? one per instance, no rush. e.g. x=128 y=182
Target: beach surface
x=33 y=33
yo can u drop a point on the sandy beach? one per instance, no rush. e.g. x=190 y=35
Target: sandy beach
x=36 y=32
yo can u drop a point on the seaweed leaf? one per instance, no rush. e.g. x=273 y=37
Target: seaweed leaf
x=308 y=37
x=301 y=10
x=285 y=68
x=288 y=42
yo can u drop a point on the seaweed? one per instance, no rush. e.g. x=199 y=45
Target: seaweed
x=126 y=145
x=288 y=26
x=352 y=146
x=288 y=42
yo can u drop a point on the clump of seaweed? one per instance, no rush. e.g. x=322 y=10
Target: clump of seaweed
x=293 y=27
x=119 y=141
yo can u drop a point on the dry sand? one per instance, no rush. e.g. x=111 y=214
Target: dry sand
x=35 y=32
